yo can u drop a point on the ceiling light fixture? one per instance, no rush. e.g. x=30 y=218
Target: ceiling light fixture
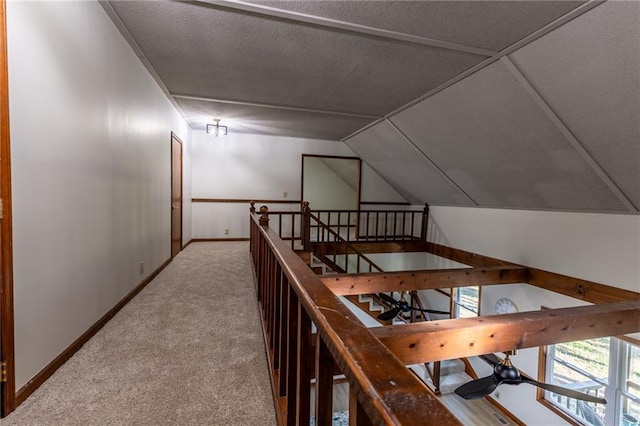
x=216 y=129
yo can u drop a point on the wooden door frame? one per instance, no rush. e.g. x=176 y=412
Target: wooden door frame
x=7 y=352
x=177 y=139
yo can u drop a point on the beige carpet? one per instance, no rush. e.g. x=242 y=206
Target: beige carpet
x=188 y=350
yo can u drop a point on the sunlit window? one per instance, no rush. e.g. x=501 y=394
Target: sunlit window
x=630 y=395
x=606 y=367
x=467 y=301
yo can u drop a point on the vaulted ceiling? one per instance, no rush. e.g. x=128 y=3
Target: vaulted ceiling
x=511 y=104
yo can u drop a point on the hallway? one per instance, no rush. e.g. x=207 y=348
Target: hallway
x=187 y=350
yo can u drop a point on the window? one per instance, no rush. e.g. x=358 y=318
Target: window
x=606 y=367
x=467 y=301
x=630 y=393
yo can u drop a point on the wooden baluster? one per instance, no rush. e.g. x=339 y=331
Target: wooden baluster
x=395 y=225
x=346 y=257
x=283 y=365
x=269 y=297
x=377 y=226
x=404 y=225
x=292 y=358
x=324 y=384
x=260 y=270
x=305 y=226
x=277 y=306
x=305 y=354
x=386 y=221
x=339 y=214
x=413 y=223
x=367 y=225
x=357 y=415
x=349 y=226
x=425 y=222
x=293 y=230
x=436 y=377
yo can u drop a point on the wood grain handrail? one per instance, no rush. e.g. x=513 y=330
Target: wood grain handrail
x=389 y=393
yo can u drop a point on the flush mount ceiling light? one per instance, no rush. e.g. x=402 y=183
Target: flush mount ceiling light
x=216 y=128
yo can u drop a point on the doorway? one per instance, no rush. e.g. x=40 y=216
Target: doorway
x=331 y=186
x=330 y=182
x=176 y=195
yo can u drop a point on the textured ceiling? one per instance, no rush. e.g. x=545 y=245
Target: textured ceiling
x=513 y=104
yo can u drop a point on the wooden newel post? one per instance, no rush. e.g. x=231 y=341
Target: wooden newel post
x=252 y=209
x=264 y=216
x=425 y=222
x=305 y=225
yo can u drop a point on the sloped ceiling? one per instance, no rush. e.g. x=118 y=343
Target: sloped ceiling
x=510 y=104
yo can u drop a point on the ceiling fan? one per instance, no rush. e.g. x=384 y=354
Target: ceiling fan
x=505 y=372
x=401 y=306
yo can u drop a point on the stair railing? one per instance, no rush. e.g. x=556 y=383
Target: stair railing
x=338 y=245
x=291 y=300
x=370 y=225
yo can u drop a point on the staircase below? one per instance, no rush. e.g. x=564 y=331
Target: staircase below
x=452 y=375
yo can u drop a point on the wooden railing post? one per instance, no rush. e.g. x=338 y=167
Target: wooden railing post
x=264 y=216
x=252 y=209
x=305 y=226
x=357 y=415
x=425 y=222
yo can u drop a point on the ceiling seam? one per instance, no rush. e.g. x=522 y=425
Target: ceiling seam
x=541 y=32
x=124 y=31
x=345 y=26
x=274 y=106
x=433 y=164
x=517 y=72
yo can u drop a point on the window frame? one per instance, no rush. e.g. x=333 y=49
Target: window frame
x=619 y=357
x=456 y=305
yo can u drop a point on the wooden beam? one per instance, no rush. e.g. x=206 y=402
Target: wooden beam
x=580 y=289
x=351 y=284
x=368 y=247
x=408 y=246
x=587 y=291
x=466 y=257
x=457 y=338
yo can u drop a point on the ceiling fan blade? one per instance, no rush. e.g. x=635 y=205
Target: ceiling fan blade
x=478 y=388
x=490 y=359
x=564 y=391
x=431 y=311
x=388 y=315
x=387 y=298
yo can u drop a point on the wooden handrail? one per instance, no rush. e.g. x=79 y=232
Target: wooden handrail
x=348 y=247
x=398 y=218
x=381 y=386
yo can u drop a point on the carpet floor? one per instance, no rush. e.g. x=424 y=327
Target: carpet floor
x=187 y=350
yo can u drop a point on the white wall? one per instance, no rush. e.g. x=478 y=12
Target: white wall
x=90 y=141
x=598 y=247
x=240 y=166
